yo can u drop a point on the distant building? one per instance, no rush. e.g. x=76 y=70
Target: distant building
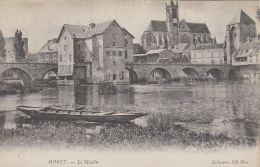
x=237 y=31
x=10 y=49
x=182 y=52
x=49 y=52
x=248 y=53
x=167 y=34
x=208 y=54
x=159 y=56
x=94 y=53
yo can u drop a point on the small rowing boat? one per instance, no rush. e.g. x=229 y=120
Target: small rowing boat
x=60 y=113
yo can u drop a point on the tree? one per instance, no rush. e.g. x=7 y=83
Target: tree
x=258 y=13
x=18 y=45
x=2 y=46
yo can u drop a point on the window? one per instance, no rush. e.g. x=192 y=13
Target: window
x=107 y=53
x=120 y=53
x=114 y=53
x=60 y=58
x=114 y=76
x=114 y=63
x=70 y=57
x=122 y=75
x=126 y=42
x=125 y=54
x=65 y=47
x=65 y=37
x=114 y=44
x=194 y=55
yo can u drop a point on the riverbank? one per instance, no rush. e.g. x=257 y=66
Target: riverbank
x=16 y=88
x=160 y=133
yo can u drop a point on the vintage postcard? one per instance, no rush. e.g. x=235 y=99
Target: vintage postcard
x=129 y=83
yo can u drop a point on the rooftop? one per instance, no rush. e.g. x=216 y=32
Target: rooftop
x=241 y=17
x=210 y=46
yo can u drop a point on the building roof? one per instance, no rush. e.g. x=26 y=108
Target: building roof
x=126 y=32
x=155 y=51
x=210 y=46
x=83 y=32
x=180 y=47
x=248 y=44
x=99 y=29
x=157 y=26
x=198 y=27
x=50 y=46
x=241 y=17
x=160 y=26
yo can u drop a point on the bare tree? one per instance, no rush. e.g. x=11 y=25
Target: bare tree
x=2 y=46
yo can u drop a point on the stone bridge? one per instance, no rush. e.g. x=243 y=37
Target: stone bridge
x=27 y=71
x=171 y=71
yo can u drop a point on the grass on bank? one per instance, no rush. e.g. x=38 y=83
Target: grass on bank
x=159 y=134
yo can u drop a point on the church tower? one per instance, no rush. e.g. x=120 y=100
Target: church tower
x=238 y=30
x=172 y=24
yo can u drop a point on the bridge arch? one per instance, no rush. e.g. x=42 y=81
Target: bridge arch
x=232 y=74
x=190 y=72
x=159 y=73
x=133 y=76
x=16 y=73
x=55 y=70
x=216 y=73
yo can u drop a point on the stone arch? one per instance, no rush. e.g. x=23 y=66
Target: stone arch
x=184 y=39
x=133 y=76
x=190 y=72
x=159 y=73
x=17 y=73
x=232 y=74
x=55 y=70
x=216 y=73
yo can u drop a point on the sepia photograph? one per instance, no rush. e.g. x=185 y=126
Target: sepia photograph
x=129 y=83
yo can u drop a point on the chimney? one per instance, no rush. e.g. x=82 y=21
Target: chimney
x=91 y=26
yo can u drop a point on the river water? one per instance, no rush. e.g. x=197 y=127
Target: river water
x=231 y=107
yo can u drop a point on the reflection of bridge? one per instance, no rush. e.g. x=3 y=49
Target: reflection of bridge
x=170 y=71
x=27 y=71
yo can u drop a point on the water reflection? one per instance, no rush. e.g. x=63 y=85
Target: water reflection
x=230 y=102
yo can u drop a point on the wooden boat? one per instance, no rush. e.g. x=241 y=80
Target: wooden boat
x=77 y=114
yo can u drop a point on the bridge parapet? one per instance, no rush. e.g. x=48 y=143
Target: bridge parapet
x=33 y=71
x=176 y=70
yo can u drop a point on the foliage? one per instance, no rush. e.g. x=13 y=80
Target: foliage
x=258 y=13
x=2 y=46
x=18 y=44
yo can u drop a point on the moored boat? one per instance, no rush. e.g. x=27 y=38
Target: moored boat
x=77 y=114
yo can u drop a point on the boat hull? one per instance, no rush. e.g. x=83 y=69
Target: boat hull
x=50 y=114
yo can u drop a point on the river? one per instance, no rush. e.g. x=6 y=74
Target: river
x=231 y=107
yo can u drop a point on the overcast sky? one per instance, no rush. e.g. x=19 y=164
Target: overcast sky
x=40 y=20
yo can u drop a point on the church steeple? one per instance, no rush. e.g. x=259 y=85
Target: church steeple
x=172 y=23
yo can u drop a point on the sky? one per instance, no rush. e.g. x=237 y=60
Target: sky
x=40 y=20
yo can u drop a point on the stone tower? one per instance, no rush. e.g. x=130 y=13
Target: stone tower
x=172 y=24
x=238 y=30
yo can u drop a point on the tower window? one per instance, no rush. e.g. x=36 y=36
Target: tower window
x=114 y=76
x=126 y=42
x=125 y=54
